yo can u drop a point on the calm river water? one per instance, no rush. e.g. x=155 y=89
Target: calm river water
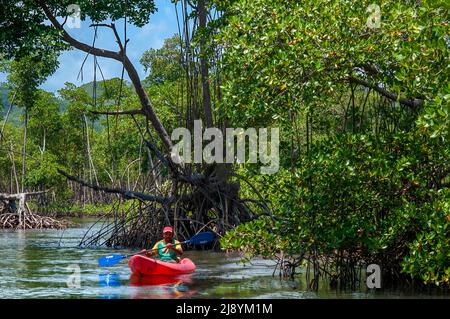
x=44 y=264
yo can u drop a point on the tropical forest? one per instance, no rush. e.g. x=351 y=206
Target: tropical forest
x=112 y=142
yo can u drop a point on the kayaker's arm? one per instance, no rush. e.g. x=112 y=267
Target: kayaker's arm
x=147 y=252
x=175 y=249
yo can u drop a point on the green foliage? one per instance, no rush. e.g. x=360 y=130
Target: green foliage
x=371 y=192
x=57 y=139
x=436 y=119
x=24 y=30
x=375 y=194
x=45 y=123
x=373 y=197
x=43 y=172
x=281 y=55
x=429 y=258
x=93 y=209
x=255 y=238
x=27 y=73
x=163 y=64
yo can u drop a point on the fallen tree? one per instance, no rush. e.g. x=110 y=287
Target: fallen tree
x=21 y=216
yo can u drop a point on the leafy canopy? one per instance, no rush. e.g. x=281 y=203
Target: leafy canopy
x=24 y=29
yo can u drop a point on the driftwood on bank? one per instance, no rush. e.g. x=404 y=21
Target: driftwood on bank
x=20 y=216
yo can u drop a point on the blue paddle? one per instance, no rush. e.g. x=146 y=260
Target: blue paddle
x=199 y=239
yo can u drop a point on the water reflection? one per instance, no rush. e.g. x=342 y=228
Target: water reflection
x=161 y=287
x=156 y=280
x=109 y=280
x=34 y=263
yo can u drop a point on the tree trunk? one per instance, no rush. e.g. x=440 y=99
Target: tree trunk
x=91 y=162
x=11 y=156
x=146 y=105
x=24 y=149
x=44 y=141
x=129 y=67
x=22 y=210
x=7 y=116
x=202 y=17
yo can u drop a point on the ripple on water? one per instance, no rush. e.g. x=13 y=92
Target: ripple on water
x=39 y=264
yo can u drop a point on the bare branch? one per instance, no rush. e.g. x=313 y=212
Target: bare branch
x=122 y=50
x=125 y=193
x=100 y=25
x=75 y=43
x=65 y=20
x=131 y=70
x=412 y=102
x=113 y=27
x=19 y=195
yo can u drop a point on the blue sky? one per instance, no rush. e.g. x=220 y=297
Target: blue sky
x=162 y=25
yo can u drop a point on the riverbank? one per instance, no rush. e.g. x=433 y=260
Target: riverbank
x=76 y=211
x=76 y=214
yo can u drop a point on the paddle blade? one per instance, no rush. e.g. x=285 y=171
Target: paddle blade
x=201 y=238
x=110 y=260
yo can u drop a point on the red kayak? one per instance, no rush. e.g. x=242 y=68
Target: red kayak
x=147 y=266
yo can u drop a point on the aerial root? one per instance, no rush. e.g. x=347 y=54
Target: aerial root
x=29 y=221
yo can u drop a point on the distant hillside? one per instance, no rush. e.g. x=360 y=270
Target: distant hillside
x=4 y=97
x=14 y=116
x=89 y=87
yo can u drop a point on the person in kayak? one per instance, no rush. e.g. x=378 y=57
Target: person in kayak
x=167 y=249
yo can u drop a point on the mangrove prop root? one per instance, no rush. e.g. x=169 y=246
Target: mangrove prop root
x=192 y=203
x=22 y=217
x=217 y=209
x=29 y=221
